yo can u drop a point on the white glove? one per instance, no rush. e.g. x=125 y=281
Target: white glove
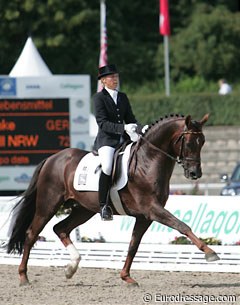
x=130 y=128
x=144 y=128
x=131 y=131
x=134 y=137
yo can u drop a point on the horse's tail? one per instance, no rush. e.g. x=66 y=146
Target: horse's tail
x=22 y=214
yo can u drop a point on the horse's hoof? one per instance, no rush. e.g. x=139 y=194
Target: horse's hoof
x=133 y=284
x=70 y=271
x=211 y=257
x=24 y=283
x=130 y=281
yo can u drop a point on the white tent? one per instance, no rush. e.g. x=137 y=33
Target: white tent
x=30 y=62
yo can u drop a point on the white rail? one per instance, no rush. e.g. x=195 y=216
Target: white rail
x=149 y=257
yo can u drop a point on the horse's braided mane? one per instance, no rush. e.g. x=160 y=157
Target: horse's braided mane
x=162 y=120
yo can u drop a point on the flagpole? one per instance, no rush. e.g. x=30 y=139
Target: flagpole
x=166 y=60
x=103 y=39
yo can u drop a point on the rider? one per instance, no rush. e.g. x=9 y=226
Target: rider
x=115 y=120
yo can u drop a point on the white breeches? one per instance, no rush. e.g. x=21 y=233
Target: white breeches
x=106 y=158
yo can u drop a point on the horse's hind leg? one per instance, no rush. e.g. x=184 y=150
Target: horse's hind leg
x=32 y=233
x=140 y=227
x=78 y=216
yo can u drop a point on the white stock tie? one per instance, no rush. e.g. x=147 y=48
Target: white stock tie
x=115 y=93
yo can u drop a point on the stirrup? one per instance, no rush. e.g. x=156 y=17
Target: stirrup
x=106 y=213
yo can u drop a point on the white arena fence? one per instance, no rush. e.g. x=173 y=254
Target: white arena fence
x=148 y=257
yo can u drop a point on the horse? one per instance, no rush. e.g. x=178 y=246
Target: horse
x=174 y=138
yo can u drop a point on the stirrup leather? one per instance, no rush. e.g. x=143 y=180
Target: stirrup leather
x=106 y=212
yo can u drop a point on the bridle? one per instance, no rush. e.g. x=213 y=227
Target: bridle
x=180 y=159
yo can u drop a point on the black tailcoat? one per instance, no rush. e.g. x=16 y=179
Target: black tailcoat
x=111 y=118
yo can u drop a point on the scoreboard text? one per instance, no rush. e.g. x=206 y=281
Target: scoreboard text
x=32 y=129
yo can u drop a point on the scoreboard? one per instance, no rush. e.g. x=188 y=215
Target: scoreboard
x=40 y=116
x=32 y=129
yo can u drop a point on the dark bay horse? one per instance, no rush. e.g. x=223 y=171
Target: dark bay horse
x=153 y=156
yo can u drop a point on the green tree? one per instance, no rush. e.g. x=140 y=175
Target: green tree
x=208 y=47
x=133 y=39
x=203 y=44
x=65 y=32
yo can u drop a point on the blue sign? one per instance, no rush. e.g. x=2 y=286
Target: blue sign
x=8 y=86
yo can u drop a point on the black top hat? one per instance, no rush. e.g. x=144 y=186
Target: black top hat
x=107 y=70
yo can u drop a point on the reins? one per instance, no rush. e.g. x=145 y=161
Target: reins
x=158 y=149
x=179 y=159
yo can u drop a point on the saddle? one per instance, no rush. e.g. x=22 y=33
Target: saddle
x=86 y=177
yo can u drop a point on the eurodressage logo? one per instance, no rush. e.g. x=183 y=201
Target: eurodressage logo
x=7 y=86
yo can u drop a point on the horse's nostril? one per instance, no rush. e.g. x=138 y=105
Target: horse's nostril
x=193 y=175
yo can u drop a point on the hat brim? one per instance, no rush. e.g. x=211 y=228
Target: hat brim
x=107 y=73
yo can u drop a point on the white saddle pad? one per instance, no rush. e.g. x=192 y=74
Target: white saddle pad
x=87 y=175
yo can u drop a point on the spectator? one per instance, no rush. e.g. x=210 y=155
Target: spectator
x=224 y=87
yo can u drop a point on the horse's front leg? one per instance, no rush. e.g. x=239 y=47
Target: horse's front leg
x=165 y=217
x=140 y=227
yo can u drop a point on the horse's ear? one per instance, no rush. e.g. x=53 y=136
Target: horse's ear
x=204 y=119
x=188 y=121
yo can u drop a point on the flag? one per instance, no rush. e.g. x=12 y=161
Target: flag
x=164 y=20
x=164 y=29
x=103 y=39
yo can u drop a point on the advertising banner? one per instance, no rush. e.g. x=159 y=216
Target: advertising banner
x=208 y=216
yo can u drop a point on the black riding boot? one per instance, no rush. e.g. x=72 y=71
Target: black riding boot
x=104 y=186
